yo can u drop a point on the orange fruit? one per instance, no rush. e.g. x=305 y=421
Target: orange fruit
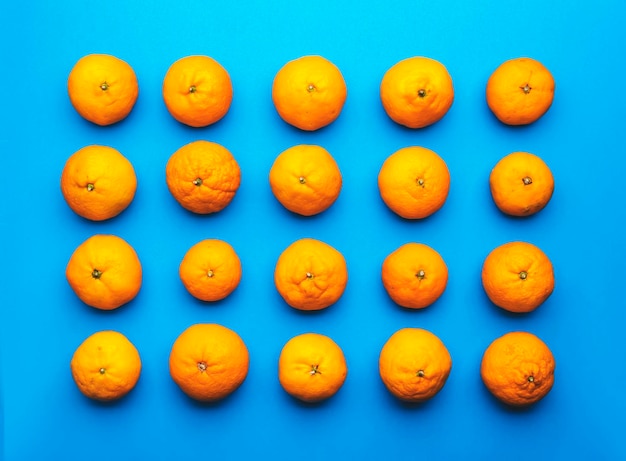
x=310 y=274
x=197 y=91
x=203 y=176
x=311 y=367
x=521 y=184
x=520 y=91
x=414 y=182
x=309 y=92
x=104 y=272
x=305 y=179
x=98 y=182
x=518 y=276
x=102 y=88
x=414 y=275
x=208 y=361
x=106 y=366
x=518 y=368
x=414 y=364
x=417 y=92
x=210 y=270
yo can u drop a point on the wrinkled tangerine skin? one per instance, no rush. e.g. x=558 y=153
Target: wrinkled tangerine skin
x=203 y=177
x=312 y=367
x=414 y=364
x=310 y=275
x=518 y=368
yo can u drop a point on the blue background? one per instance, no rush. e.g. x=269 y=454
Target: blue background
x=581 y=138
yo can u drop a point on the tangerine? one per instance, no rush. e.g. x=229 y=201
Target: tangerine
x=309 y=92
x=305 y=179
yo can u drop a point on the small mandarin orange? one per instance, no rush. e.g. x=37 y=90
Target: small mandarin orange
x=312 y=367
x=521 y=184
x=520 y=91
x=518 y=276
x=414 y=364
x=518 y=368
x=305 y=179
x=309 y=92
x=102 y=88
x=203 y=176
x=106 y=366
x=414 y=275
x=414 y=182
x=98 y=182
x=197 y=91
x=105 y=272
x=209 y=361
x=210 y=270
x=417 y=92
x=310 y=275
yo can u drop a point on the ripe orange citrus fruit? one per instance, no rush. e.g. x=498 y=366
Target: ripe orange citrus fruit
x=98 y=182
x=520 y=91
x=210 y=270
x=521 y=184
x=106 y=366
x=310 y=274
x=197 y=91
x=203 y=176
x=414 y=275
x=414 y=182
x=305 y=179
x=518 y=276
x=414 y=364
x=312 y=367
x=209 y=361
x=104 y=271
x=102 y=88
x=518 y=368
x=309 y=92
x=417 y=92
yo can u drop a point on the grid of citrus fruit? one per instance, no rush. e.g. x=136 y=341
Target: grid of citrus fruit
x=210 y=361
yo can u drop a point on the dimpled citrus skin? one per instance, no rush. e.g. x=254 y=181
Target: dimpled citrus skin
x=521 y=184
x=102 y=88
x=203 y=176
x=520 y=91
x=106 y=366
x=105 y=272
x=414 y=364
x=312 y=367
x=197 y=91
x=518 y=276
x=309 y=92
x=518 y=368
x=414 y=182
x=305 y=179
x=98 y=182
x=414 y=275
x=417 y=92
x=210 y=270
x=209 y=361
x=310 y=274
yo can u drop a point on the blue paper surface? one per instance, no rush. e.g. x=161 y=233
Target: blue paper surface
x=44 y=416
